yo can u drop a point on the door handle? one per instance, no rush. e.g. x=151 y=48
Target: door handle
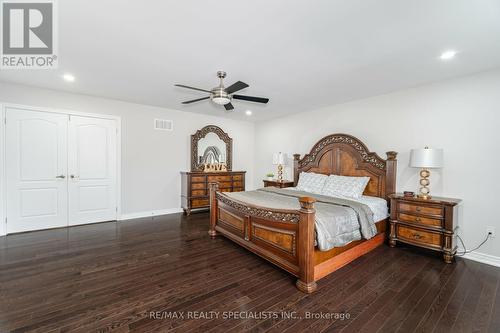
x=73 y=177
x=61 y=176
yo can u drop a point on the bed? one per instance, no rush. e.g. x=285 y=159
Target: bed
x=285 y=234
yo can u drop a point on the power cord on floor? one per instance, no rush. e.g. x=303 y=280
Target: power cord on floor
x=474 y=249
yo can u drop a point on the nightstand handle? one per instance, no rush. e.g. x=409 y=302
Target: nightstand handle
x=418 y=219
x=418 y=209
x=416 y=236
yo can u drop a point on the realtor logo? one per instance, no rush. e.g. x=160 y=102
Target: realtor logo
x=28 y=34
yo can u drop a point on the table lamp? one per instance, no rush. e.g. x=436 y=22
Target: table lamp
x=279 y=160
x=426 y=159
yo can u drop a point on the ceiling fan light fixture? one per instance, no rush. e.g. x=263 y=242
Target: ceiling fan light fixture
x=221 y=100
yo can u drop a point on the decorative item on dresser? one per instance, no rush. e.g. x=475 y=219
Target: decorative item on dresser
x=428 y=223
x=286 y=237
x=211 y=162
x=277 y=183
x=196 y=192
x=211 y=145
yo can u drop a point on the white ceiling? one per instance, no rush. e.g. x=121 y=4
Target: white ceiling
x=301 y=54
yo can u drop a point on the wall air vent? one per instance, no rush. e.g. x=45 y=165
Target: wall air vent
x=164 y=125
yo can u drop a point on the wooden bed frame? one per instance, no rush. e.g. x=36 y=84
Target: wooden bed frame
x=286 y=237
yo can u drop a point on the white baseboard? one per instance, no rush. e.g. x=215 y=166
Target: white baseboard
x=483 y=258
x=138 y=215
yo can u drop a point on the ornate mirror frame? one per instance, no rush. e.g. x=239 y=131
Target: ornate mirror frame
x=200 y=134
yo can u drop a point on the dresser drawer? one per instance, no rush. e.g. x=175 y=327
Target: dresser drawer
x=238 y=189
x=197 y=179
x=416 y=235
x=237 y=184
x=196 y=193
x=196 y=203
x=420 y=220
x=225 y=185
x=428 y=210
x=219 y=178
x=237 y=177
x=197 y=186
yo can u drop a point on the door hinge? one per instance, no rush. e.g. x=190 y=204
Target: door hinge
x=117 y=209
x=5 y=120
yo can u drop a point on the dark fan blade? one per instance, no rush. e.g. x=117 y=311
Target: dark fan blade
x=195 y=100
x=188 y=87
x=229 y=106
x=236 y=86
x=251 y=98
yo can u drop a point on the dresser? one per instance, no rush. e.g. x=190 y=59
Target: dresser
x=427 y=223
x=195 y=191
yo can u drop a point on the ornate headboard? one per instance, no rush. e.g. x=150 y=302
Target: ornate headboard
x=345 y=155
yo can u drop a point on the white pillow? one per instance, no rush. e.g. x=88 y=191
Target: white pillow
x=311 y=182
x=351 y=187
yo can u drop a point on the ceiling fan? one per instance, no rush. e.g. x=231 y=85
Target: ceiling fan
x=223 y=96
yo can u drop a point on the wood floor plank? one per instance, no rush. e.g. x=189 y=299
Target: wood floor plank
x=494 y=324
x=451 y=311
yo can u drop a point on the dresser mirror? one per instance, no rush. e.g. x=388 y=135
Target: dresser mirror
x=211 y=150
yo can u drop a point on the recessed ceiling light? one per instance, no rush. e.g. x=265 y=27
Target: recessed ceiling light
x=450 y=54
x=248 y=113
x=69 y=77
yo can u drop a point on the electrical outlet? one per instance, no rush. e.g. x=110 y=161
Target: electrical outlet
x=491 y=230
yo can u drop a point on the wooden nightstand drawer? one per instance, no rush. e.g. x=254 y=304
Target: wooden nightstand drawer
x=237 y=177
x=278 y=183
x=420 y=220
x=238 y=184
x=428 y=223
x=420 y=236
x=418 y=209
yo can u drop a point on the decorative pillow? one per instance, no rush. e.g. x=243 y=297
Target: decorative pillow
x=351 y=187
x=311 y=182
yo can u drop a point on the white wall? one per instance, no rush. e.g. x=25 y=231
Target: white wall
x=151 y=160
x=462 y=116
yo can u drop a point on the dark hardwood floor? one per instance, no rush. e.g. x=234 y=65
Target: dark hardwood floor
x=156 y=275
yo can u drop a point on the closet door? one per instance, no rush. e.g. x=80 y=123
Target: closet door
x=36 y=170
x=92 y=170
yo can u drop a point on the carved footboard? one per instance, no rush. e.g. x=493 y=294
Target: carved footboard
x=284 y=237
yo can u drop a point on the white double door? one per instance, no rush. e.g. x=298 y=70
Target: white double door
x=61 y=170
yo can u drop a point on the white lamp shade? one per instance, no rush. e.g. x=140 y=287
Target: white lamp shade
x=279 y=158
x=426 y=158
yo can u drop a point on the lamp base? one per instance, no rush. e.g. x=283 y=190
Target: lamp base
x=280 y=172
x=424 y=182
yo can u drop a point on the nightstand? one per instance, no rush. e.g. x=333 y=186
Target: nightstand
x=277 y=183
x=428 y=223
